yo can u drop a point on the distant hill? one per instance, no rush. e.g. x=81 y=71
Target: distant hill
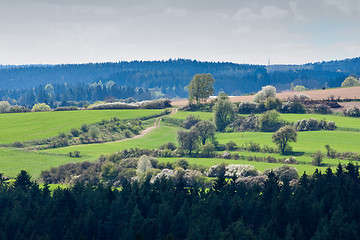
x=172 y=76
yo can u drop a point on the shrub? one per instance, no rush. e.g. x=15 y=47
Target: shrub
x=183 y=163
x=41 y=107
x=317 y=158
x=143 y=164
x=330 y=126
x=270 y=121
x=18 y=144
x=237 y=170
x=62 y=135
x=127 y=133
x=231 y=146
x=293 y=107
x=171 y=146
x=247 y=107
x=273 y=103
x=208 y=150
x=18 y=109
x=75 y=132
x=190 y=121
x=265 y=93
x=84 y=127
x=284 y=173
x=254 y=147
x=94 y=132
x=350 y=81
x=352 y=112
x=314 y=125
x=322 y=109
x=69 y=108
x=4 y=106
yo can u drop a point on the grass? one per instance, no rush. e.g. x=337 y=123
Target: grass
x=12 y=161
x=91 y=152
x=201 y=115
x=38 y=125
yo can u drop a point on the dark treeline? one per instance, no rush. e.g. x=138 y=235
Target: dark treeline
x=172 y=76
x=64 y=94
x=324 y=206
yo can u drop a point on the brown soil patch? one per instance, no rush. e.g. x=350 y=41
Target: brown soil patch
x=342 y=93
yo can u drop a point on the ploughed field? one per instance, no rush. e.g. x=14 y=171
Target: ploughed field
x=345 y=138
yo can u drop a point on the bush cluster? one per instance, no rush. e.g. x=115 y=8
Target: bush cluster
x=293 y=105
x=352 y=112
x=69 y=108
x=155 y=104
x=314 y=125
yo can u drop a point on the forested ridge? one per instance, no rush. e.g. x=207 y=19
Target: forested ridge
x=172 y=76
x=324 y=206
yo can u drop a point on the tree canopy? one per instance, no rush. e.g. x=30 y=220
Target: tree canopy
x=350 y=81
x=283 y=136
x=201 y=87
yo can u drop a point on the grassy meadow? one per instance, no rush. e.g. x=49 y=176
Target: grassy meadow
x=91 y=152
x=29 y=126
x=38 y=125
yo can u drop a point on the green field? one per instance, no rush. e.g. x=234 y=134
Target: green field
x=13 y=160
x=25 y=126
x=38 y=125
x=91 y=152
x=201 y=115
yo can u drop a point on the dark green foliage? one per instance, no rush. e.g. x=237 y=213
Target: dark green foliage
x=317 y=158
x=188 y=140
x=23 y=181
x=224 y=114
x=84 y=127
x=283 y=136
x=324 y=206
x=171 y=146
x=201 y=87
x=75 y=132
x=190 y=121
x=231 y=146
x=270 y=121
x=205 y=130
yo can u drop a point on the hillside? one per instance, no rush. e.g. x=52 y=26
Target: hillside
x=342 y=93
x=172 y=76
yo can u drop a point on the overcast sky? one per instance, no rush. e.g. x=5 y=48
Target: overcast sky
x=251 y=31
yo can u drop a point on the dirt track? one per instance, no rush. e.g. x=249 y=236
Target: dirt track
x=352 y=92
x=157 y=122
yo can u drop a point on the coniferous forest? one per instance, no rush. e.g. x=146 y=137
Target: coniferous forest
x=168 y=78
x=324 y=206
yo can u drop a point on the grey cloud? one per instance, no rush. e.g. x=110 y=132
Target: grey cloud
x=60 y=31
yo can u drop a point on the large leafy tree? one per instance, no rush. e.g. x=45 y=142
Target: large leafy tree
x=188 y=140
x=201 y=87
x=205 y=130
x=224 y=114
x=283 y=136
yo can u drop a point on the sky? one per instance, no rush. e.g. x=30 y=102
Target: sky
x=240 y=31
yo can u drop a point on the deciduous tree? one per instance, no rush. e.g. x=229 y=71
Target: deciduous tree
x=201 y=87
x=283 y=136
